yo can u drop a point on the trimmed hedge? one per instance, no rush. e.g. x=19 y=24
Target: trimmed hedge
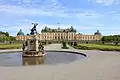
x=75 y=43
x=64 y=46
x=10 y=46
x=97 y=47
x=49 y=42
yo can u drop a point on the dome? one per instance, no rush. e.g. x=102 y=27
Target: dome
x=97 y=33
x=20 y=33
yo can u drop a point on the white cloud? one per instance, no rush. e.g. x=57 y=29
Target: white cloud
x=14 y=29
x=33 y=7
x=45 y=8
x=26 y=28
x=30 y=12
x=88 y=14
x=21 y=11
x=91 y=28
x=111 y=31
x=106 y=2
x=14 y=10
x=112 y=12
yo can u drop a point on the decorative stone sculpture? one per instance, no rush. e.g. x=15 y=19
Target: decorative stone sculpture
x=41 y=47
x=23 y=47
x=33 y=46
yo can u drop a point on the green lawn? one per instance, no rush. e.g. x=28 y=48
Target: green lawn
x=98 y=47
x=10 y=46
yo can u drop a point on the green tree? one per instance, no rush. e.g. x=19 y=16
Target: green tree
x=64 y=44
x=111 y=38
x=12 y=38
x=75 y=43
x=7 y=34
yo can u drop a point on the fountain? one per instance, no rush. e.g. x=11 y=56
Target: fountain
x=32 y=47
x=34 y=54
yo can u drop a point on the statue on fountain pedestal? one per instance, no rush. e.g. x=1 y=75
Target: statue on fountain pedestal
x=33 y=30
x=23 y=47
x=41 y=47
x=33 y=46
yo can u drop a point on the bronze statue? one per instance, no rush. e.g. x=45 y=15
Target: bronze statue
x=41 y=48
x=23 y=47
x=33 y=30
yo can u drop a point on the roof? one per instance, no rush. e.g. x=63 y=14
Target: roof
x=46 y=29
x=20 y=33
x=97 y=33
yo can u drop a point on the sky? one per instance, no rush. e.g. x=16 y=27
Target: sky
x=86 y=16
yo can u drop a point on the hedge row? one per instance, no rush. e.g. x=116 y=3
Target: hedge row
x=97 y=47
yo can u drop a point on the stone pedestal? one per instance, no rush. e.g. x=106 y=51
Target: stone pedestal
x=33 y=47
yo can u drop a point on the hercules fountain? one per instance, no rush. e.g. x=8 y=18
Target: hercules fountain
x=33 y=53
x=32 y=46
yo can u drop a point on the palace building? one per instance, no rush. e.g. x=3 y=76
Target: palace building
x=21 y=36
x=58 y=34
x=69 y=34
x=97 y=36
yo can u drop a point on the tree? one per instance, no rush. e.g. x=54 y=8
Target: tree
x=12 y=38
x=75 y=43
x=71 y=43
x=0 y=38
x=3 y=38
x=103 y=39
x=7 y=34
x=64 y=44
x=111 y=38
x=7 y=38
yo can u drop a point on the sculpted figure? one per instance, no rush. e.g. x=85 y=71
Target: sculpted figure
x=34 y=30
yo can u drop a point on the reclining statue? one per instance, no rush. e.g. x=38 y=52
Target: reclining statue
x=41 y=47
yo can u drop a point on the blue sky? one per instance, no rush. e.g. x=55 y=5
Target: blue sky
x=86 y=16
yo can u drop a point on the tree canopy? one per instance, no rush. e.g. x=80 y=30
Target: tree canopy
x=112 y=38
x=5 y=33
x=7 y=37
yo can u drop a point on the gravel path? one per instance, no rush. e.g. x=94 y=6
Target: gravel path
x=99 y=65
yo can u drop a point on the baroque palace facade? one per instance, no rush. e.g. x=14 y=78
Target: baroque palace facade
x=69 y=34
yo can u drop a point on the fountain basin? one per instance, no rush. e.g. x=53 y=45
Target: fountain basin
x=52 y=57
